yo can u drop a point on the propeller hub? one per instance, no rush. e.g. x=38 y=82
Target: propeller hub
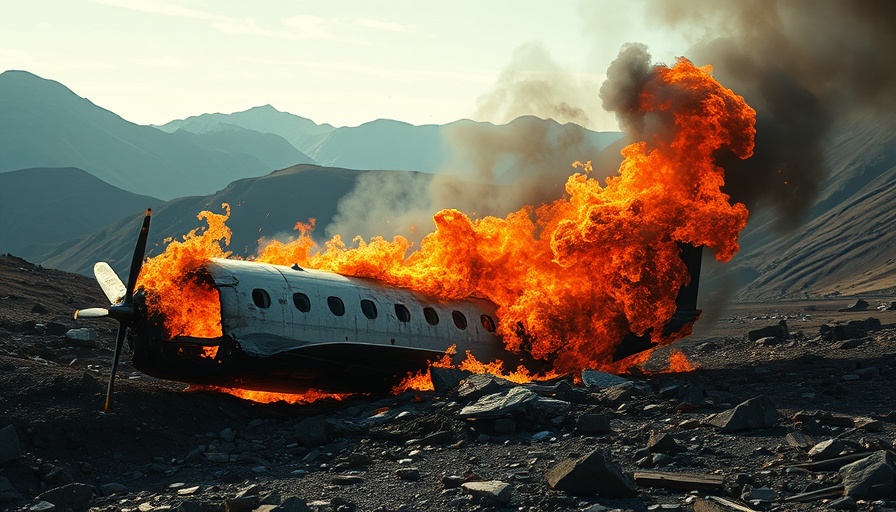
x=122 y=312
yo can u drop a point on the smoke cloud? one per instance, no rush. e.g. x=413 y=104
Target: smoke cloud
x=804 y=65
x=494 y=170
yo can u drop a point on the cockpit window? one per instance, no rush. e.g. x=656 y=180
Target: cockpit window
x=432 y=318
x=460 y=321
x=302 y=302
x=488 y=323
x=336 y=305
x=402 y=313
x=368 y=307
x=261 y=298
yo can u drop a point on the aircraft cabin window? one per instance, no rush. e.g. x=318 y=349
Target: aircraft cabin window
x=368 y=307
x=336 y=305
x=402 y=313
x=302 y=302
x=261 y=298
x=488 y=323
x=432 y=318
x=460 y=321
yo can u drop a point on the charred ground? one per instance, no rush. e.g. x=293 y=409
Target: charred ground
x=395 y=453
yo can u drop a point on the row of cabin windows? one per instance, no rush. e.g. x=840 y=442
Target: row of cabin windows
x=262 y=299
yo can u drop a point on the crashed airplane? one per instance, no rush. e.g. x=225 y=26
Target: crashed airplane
x=290 y=329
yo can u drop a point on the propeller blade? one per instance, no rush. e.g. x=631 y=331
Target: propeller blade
x=109 y=281
x=137 y=261
x=91 y=313
x=122 y=329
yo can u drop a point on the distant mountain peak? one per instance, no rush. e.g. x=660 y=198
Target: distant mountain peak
x=17 y=79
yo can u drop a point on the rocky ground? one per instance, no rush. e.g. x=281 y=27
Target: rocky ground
x=800 y=418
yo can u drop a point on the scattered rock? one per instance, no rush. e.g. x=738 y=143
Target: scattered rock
x=850 y=330
x=664 y=443
x=8 y=493
x=625 y=391
x=768 y=341
x=312 y=432
x=227 y=435
x=593 y=423
x=758 y=495
x=718 y=504
x=452 y=481
x=446 y=379
x=42 y=506
x=871 y=478
x=798 y=440
x=775 y=331
x=292 y=504
x=827 y=449
x=755 y=413
x=853 y=343
x=844 y=503
x=479 y=385
x=83 y=337
x=591 y=474
x=500 y=404
x=347 y=480
x=601 y=380
x=491 y=491
x=75 y=496
x=242 y=503
x=218 y=457
x=9 y=444
x=857 y=305
x=408 y=474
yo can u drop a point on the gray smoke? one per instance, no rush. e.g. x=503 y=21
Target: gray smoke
x=493 y=170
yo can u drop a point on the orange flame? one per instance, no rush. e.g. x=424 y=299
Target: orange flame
x=190 y=305
x=679 y=363
x=267 y=397
x=419 y=381
x=422 y=381
x=571 y=278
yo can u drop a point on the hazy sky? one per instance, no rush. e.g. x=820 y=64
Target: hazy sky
x=337 y=61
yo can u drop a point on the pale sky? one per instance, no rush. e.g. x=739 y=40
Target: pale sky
x=334 y=61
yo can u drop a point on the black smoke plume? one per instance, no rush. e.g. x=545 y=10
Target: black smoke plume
x=804 y=65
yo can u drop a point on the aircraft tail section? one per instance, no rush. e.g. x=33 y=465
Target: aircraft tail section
x=686 y=311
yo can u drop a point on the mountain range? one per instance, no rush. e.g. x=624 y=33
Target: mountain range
x=75 y=177
x=44 y=124
x=380 y=144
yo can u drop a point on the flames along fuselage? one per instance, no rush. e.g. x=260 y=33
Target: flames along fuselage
x=290 y=329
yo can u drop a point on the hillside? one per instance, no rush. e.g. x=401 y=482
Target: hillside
x=44 y=124
x=42 y=207
x=266 y=206
x=846 y=245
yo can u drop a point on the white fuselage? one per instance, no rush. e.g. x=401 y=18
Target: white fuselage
x=269 y=309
